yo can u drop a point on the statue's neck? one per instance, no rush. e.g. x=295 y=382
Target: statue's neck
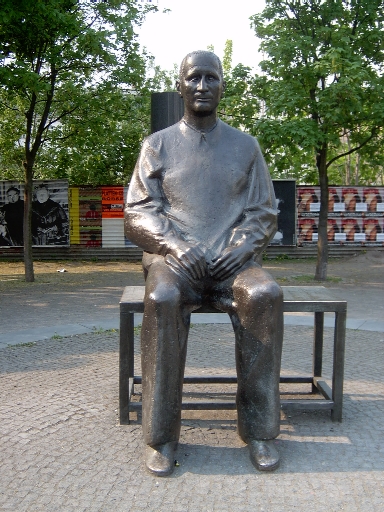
x=201 y=123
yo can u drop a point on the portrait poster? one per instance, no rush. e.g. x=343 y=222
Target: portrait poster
x=11 y=213
x=334 y=231
x=50 y=213
x=355 y=213
x=335 y=204
x=373 y=197
x=308 y=199
x=285 y=192
x=352 y=199
x=373 y=229
x=352 y=227
x=308 y=230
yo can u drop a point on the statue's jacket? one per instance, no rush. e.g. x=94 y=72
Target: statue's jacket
x=211 y=188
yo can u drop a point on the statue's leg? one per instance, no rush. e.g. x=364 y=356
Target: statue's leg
x=257 y=318
x=258 y=325
x=168 y=302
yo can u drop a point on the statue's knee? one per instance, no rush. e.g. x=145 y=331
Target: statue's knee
x=164 y=295
x=269 y=293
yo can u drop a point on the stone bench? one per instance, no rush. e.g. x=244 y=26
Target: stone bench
x=315 y=299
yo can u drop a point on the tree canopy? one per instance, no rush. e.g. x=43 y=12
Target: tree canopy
x=57 y=57
x=322 y=85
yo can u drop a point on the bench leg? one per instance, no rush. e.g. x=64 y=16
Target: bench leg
x=338 y=365
x=318 y=347
x=126 y=364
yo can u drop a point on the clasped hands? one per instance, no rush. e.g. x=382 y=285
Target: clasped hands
x=191 y=259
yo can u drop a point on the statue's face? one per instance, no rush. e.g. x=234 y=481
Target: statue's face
x=201 y=84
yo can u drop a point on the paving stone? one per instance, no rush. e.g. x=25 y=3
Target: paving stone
x=63 y=449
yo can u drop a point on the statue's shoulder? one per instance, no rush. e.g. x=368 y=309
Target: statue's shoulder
x=159 y=138
x=248 y=141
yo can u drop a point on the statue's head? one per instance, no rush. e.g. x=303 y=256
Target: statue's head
x=201 y=83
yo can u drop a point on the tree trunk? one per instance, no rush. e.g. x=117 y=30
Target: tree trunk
x=357 y=169
x=322 y=242
x=348 y=162
x=28 y=257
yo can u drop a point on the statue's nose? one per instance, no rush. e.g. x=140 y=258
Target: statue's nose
x=202 y=85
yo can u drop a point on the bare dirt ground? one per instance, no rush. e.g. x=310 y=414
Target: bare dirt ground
x=362 y=269
x=90 y=291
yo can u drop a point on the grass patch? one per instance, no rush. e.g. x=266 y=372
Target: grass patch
x=309 y=278
x=101 y=330
x=27 y=344
x=56 y=336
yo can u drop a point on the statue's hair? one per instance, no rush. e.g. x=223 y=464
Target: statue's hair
x=200 y=52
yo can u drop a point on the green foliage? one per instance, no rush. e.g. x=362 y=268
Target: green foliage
x=322 y=86
x=322 y=76
x=71 y=70
x=57 y=57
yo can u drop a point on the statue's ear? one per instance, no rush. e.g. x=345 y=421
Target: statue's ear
x=223 y=89
x=178 y=88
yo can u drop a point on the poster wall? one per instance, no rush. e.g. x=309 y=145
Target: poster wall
x=86 y=212
x=93 y=217
x=50 y=214
x=355 y=215
x=97 y=216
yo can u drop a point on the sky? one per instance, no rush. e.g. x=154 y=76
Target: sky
x=193 y=25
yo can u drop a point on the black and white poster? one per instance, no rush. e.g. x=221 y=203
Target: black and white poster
x=11 y=213
x=285 y=192
x=49 y=213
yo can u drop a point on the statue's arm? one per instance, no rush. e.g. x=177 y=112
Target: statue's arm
x=146 y=223
x=257 y=225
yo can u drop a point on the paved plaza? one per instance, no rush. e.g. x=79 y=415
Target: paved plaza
x=62 y=448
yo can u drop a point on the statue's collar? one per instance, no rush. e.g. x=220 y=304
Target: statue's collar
x=202 y=132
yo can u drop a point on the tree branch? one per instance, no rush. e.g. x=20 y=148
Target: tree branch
x=8 y=107
x=353 y=150
x=65 y=113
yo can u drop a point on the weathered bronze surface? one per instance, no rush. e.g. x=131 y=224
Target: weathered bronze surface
x=201 y=205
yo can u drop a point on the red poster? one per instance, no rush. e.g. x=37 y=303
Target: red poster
x=373 y=199
x=307 y=230
x=372 y=229
x=112 y=201
x=351 y=197
x=308 y=199
x=334 y=230
x=334 y=200
x=353 y=229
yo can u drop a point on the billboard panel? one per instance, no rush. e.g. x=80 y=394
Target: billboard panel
x=50 y=215
x=285 y=192
x=355 y=214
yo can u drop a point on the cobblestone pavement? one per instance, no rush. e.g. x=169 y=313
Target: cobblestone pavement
x=62 y=449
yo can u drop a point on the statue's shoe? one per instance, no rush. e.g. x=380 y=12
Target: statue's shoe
x=160 y=460
x=264 y=455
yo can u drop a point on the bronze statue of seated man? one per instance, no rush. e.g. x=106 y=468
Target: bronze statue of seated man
x=201 y=205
